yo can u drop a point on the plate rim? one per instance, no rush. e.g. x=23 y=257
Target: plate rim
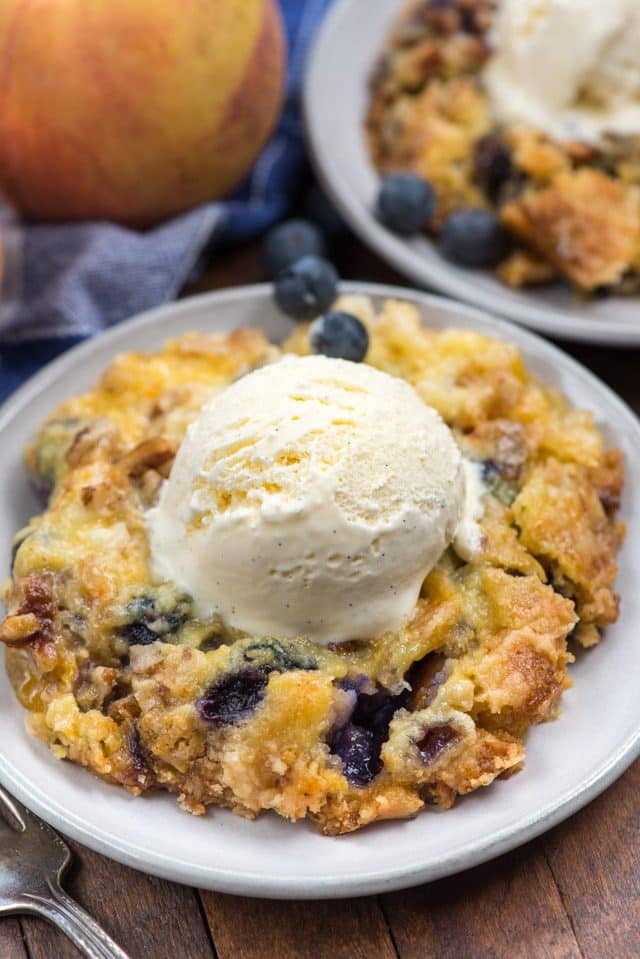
x=262 y=884
x=400 y=253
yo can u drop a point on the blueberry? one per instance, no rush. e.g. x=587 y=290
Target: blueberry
x=154 y=616
x=354 y=684
x=493 y=166
x=142 y=607
x=375 y=710
x=473 y=238
x=406 y=203
x=233 y=698
x=339 y=335
x=436 y=740
x=355 y=747
x=359 y=743
x=139 y=634
x=306 y=288
x=290 y=241
x=272 y=655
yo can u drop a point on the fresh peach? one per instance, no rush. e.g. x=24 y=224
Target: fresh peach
x=133 y=110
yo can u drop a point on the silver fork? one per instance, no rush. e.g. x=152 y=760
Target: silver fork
x=33 y=859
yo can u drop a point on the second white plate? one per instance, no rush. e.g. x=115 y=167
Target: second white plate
x=336 y=97
x=568 y=761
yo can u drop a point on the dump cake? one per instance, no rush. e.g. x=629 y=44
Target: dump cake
x=162 y=669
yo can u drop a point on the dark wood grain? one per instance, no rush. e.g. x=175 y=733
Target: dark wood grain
x=507 y=908
x=255 y=929
x=571 y=895
x=595 y=860
x=11 y=943
x=150 y=918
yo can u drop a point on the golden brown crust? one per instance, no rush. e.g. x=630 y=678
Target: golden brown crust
x=562 y=520
x=584 y=225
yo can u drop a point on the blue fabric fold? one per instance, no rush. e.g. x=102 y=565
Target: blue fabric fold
x=66 y=282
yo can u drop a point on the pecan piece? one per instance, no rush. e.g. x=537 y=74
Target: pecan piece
x=150 y=454
x=99 y=433
x=37 y=609
x=19 y=629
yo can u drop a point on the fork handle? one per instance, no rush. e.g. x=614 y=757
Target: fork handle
x=77 y=924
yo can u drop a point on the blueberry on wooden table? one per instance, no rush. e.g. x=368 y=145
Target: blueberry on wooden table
x=307 y=287
x=339 y=335
x=473 y=238
x=406 y=203
x=290 y=241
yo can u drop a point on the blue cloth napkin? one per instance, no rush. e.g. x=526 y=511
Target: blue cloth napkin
x=64 y=283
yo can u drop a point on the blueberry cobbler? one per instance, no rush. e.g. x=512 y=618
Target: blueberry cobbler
x=510 y=130
x=272 y=578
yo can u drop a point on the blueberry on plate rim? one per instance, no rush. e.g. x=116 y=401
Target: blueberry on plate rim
x=306 y=288
x=288 y=242
x=406 y=203
x=473 y=238
x=339 y=335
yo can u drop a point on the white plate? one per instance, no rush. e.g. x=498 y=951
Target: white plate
x=568 y=762
x=336 y=96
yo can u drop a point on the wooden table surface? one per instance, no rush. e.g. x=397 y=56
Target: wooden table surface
x=571 y=894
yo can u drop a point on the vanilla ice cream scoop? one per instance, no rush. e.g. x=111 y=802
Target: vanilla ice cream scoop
x=570 y=68
x=311 y=498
